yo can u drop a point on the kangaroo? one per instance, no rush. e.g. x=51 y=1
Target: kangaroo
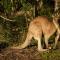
x=39 y=25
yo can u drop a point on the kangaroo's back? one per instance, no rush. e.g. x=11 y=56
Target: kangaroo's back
x=42 y=24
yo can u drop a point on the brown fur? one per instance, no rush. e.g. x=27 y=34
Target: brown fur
x=38 y=26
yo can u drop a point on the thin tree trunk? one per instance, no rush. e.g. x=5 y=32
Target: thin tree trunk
x=38 y=5
x=12 y=7
x=57 y=4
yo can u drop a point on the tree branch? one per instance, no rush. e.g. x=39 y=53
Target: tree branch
x=7 y=19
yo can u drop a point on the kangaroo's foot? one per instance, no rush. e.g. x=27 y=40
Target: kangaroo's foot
x=42 y=50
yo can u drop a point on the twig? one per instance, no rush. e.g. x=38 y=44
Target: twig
x=7 y=19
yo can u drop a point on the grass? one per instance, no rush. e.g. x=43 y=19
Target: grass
x=51 y=55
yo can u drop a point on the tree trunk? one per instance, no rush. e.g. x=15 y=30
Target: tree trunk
x=57 y=4
x=38 y=5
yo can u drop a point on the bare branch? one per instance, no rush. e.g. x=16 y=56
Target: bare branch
x=6 y=19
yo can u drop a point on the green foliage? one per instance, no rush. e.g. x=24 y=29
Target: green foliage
x=8 y=6
x=20 y=27
x=16 y=31
x=51 y=55
x=45 y=11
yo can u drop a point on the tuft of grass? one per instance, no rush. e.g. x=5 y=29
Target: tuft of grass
x=51 y=55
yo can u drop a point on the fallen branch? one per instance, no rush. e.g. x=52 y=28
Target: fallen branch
x=7 y=19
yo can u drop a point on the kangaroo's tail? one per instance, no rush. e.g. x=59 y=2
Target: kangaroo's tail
x=27 y=41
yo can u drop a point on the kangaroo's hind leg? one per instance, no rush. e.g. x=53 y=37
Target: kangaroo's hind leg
x=38 y=37
x=46 y=41
x=56 y=40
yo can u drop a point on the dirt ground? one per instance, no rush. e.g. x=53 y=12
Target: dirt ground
x=16 y=54
x=29 y=53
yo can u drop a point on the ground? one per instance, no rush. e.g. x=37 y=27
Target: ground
x=29 y=53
